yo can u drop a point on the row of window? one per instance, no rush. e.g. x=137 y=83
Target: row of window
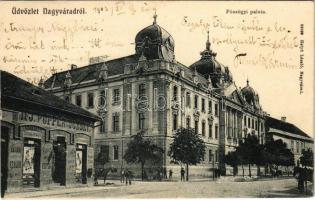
x=90 y=98
x=116 y=97
x=115 y=122
x=298 y=147
x=196 y=102
x=252 y=123
x=104 y=150
x=196 y=126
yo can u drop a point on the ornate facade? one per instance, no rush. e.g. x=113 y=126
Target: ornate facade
x=153 y=92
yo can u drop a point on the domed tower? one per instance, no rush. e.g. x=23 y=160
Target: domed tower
x=208 y=66
x=154 y=42
x=251 y=97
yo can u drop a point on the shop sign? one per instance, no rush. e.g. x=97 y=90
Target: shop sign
x=52 y=121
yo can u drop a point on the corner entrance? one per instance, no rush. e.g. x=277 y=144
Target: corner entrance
x=81 y=161
x=31 y=162
x=59 y=167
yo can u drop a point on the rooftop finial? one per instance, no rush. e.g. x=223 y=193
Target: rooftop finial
x=154 y=17
x=247 y=82
x=208 y=42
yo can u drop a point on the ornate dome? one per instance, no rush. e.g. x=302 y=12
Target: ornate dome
x=208 y=66
x=251 y=97
x=155 y=42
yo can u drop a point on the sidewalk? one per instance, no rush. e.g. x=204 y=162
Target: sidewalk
x=63 y=190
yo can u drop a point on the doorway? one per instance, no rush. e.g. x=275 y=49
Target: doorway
x=4 y=158
x=81 y=163
x=59 y=167
x=31 y=162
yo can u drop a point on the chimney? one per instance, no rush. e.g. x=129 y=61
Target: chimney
x=283 y=118
x=73 y=66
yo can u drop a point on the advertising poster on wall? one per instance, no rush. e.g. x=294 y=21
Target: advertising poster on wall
x=28 y=161
x=78 y=168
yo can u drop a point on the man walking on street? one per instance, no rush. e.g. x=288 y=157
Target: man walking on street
x=122 y=178
x=170 y=173
x=182 y=174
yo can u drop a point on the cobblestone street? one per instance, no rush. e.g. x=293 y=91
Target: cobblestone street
x=201 y=189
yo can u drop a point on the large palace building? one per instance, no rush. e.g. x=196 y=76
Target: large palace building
x=151 y=91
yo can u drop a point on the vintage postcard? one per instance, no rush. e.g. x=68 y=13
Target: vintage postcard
x=157 y=99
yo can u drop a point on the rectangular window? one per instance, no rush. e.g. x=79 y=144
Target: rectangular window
x=115 y=152
x=175 y=93
x=174 y=122
x=141 y=120
x=248 y=124
x=210 y=155
x=116 y=123
x=188 y=99
x=116 y=96
x=196 y=101
x=216 y=131
x=253 y=124
x=90 y=100
x=203 y=106
x=78 y=100
x=216 y=109
x=104 y=153
x=297 y=147
x=142 y=90
x=196 y=127
x=187 y=122
x=203 y=129
x=244 y=121
x=216 y=156
x=210 y=131
x=210 y=107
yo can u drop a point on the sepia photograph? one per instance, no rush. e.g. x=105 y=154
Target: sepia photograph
x=157 y=99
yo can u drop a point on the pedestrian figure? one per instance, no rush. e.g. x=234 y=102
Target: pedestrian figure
x=122 y=178
x=160 y=175
x=126 y=176
x=164 y=173
x=129 y=176
x=170 y=173
x=95 y=179
x=182 y=174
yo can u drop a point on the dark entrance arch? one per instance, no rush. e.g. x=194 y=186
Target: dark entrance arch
x=59 y=166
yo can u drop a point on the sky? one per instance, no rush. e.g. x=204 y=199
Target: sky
x=267 y=43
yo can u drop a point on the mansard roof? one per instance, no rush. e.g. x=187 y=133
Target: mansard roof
x=90 y=72
x=22 y=96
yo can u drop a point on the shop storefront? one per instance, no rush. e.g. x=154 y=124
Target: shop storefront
x=44 y=146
